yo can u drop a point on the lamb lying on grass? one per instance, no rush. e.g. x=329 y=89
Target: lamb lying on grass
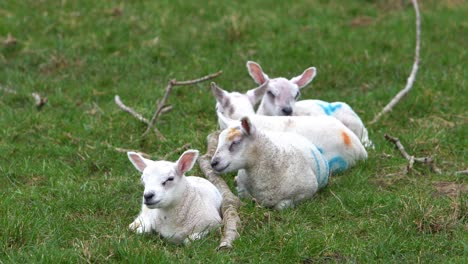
x=339 y=145
x=282 y=94
x=179 y=208
x=278 y=169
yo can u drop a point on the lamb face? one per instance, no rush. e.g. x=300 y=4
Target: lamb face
x=233 y=146
x=164 y=181
x=281 y=93
x=279 y=98
x=161 y=185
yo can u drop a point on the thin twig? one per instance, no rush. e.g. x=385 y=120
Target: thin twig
x=177 y=150
x=130 y=110
x=7 y=90
x=170 y=85
x=124 y=150
x=461 y=172
x=231 y=203
x=40 y=101
x=411 y=159
x=137 y=115
x=411 y=78
x=166 y=109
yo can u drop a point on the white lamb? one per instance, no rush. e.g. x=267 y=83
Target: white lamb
x=234 y=104
x=282 y=94
x=180 y=208
x=339 y=145
x=278 y=169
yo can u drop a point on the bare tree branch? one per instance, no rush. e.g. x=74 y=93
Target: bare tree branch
x=411 y=159
x=7 y=89
x=231 y=203
x=177 y=150
x=130 y=110
x=137 y=115
x=411 y=78
x=170 y=85
x=40 y=101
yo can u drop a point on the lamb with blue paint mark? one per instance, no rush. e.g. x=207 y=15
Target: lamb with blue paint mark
x=278 y=169
x=339 y=145
x=281 y=98
x=180 y=208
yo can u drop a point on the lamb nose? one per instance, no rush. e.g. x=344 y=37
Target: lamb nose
x=214 y=163
x=148 y=196
x=287 y=110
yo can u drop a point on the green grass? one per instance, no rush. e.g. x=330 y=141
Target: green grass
x=68 y=196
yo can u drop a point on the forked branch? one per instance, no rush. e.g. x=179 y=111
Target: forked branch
x=161 y=104
x=411 y=159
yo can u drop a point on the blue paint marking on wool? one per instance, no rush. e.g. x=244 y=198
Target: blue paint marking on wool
x=322 y=179
x=338 y=164
x=330 y=108
x=320 y=150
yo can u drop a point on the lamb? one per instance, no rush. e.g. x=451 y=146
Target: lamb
x=282 y=94
x=278 y=169
x=339 y=145
x=180 y=208
x=234 y=104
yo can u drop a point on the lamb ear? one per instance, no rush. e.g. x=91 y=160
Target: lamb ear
x=256 y=94
x=186 y=161
x=247 y=126
x=217 y=92
x=137 y=160
x=305 y=78
x=256 y=72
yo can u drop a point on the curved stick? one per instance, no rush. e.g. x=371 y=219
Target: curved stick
x=410 y=81
x=231 y=203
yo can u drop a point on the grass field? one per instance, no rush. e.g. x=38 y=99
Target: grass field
x=67 y=195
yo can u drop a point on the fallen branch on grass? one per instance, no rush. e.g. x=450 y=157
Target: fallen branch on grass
x=169 y=87
x=411 y=78
x=177 y=150
x=411 y=159
x=231 y=203
x=7 y=89
x=161 y=105
x=40 y=101
x=137 y=116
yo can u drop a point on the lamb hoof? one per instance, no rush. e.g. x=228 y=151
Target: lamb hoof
x=136 y=227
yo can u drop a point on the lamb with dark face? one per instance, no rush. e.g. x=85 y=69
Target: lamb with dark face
x=181 y=208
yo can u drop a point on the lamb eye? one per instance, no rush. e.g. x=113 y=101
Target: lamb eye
x=168 y=180
x=271 y=94
x=297 y=95
x=233 y=144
